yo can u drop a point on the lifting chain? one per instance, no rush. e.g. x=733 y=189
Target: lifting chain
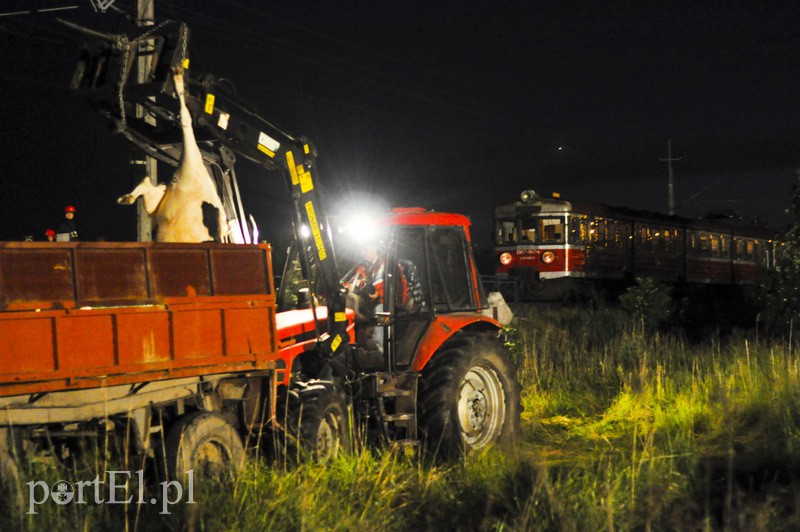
x=123 y=44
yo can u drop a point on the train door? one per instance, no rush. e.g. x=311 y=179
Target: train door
x=627 y=230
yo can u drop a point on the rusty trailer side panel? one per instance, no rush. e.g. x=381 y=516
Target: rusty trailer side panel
x=81 y=315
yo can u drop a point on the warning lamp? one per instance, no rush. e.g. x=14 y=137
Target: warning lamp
x=505 y=259
x=527 y=196
x=548 y=257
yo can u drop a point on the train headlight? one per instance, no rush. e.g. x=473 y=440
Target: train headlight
x=505 y=259
x=548 y=257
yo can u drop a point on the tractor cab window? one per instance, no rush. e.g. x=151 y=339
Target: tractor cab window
x=409 y=275
x=296 y=289
x=451 y=279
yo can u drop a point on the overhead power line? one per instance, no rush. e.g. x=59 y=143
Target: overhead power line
x=39 y=10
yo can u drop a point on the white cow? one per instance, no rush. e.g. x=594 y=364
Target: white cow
x=177 y=208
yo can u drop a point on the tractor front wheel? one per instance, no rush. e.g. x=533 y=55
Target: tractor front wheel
x=318 y=425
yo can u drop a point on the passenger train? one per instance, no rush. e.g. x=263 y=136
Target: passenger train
x=553 y=247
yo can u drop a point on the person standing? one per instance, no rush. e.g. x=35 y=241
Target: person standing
x=67 y=231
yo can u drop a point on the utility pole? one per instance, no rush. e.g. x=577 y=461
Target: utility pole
x=669 y=160
x=142 y=165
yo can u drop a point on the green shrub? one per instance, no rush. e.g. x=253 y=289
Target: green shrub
x=648 y=301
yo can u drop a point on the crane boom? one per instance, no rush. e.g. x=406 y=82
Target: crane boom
x=103 y=76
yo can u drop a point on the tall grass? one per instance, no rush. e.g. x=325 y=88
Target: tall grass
x=622 y=429
x=690 y=435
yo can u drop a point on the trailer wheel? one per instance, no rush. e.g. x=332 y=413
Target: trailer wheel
x=469 y=396
x=205 y=443
x=318 y=425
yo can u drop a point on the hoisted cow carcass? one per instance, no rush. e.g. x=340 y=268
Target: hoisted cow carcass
x=193 y=206
x=180 y=208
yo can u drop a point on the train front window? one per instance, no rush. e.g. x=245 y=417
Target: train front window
x=507 y=232
x=528 y=233
x=551 y=230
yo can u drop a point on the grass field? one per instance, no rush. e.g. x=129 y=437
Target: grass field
x=621 y=429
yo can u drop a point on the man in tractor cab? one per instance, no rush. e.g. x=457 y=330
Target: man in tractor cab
x=364 y=283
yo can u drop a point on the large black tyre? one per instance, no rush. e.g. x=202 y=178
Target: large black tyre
x=205 y=443
x=318 y=425
x=468 y=396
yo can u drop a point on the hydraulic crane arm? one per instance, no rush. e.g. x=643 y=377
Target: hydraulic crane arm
x=104 y=77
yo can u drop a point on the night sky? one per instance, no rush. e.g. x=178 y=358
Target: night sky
x=451 y=105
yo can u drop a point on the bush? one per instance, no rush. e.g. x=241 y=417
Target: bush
x=648 y=301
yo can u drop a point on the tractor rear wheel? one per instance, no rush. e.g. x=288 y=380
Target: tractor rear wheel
x=469 y=396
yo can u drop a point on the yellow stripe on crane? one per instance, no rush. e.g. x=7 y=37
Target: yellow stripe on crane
x=306 y=183
x=337 y=341
x=209 y=108
x=312 y=219
x=292 y=168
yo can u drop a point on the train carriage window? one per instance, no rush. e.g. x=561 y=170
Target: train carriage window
x=670 y=241
x=647 y=235
x=724 y=245
x=750 y=249
x=611 y=232
x=593 y=236
x=739 y=248
x=578 y=230
x=620 y=232
x=714 y=240
x=663 y=240
x=600 y=229
x=705 y=244
x=551 y=230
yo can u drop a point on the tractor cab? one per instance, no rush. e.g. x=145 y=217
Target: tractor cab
x=405 y=270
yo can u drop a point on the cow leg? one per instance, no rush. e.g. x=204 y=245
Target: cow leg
x=152 y=195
